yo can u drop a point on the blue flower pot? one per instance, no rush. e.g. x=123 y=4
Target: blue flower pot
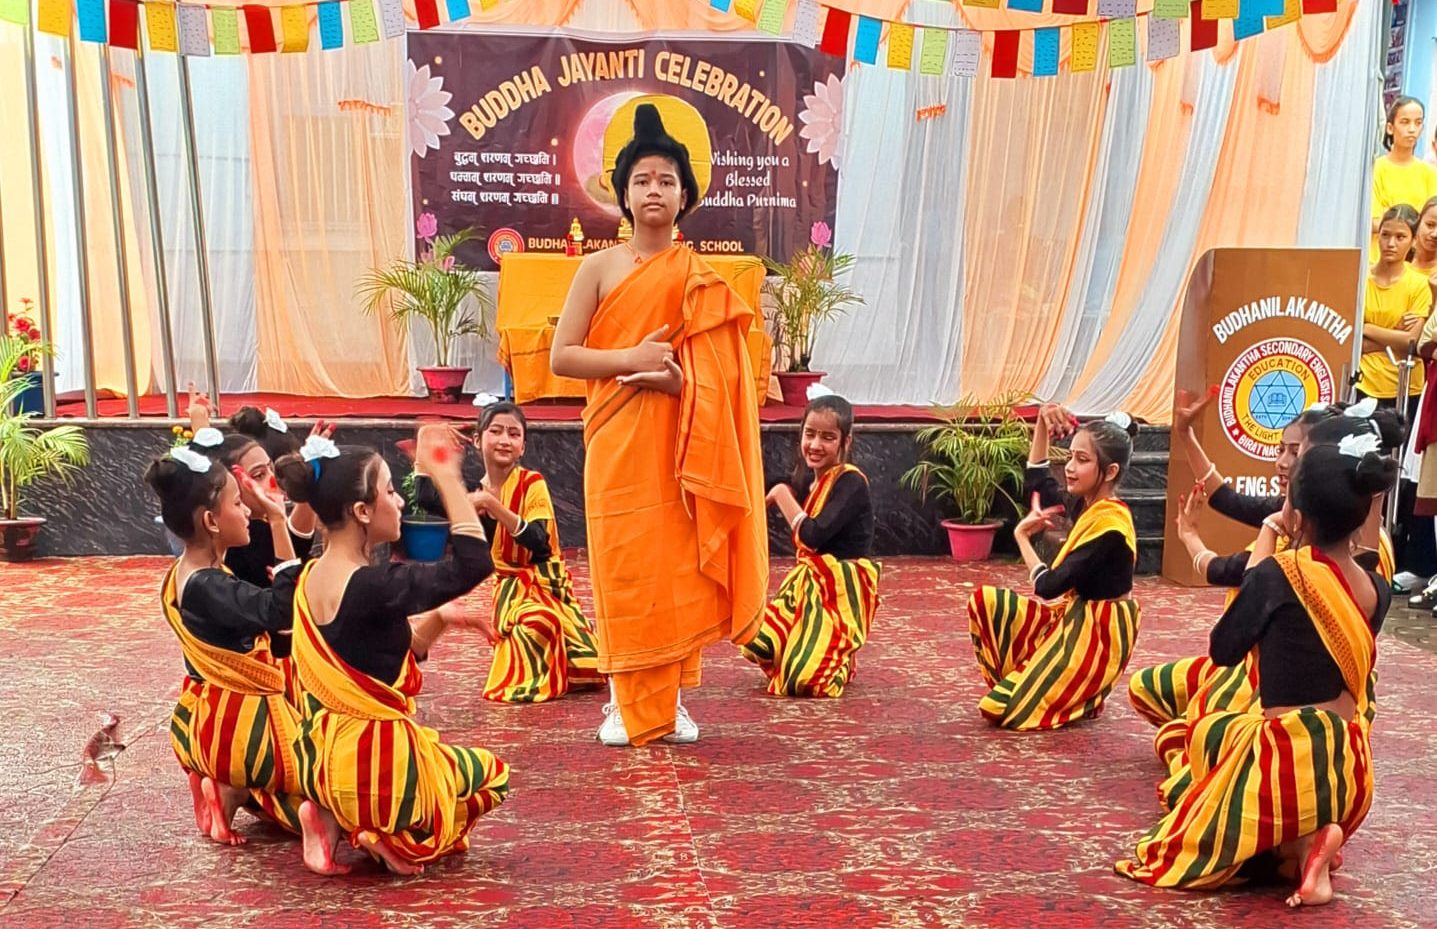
x=32 y=398
x=424 y=538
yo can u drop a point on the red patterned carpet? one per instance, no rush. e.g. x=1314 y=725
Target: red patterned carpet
x=895 y=806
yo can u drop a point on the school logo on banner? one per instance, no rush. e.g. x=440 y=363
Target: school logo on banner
x=1268 y=386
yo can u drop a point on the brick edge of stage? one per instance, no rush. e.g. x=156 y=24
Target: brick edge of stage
x=107 y=510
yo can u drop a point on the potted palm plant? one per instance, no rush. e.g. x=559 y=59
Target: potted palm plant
x=438 y=289
x=27 y=454
x=974 y=456
x=805 y=293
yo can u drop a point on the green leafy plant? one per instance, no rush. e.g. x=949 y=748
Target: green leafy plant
x=976 y=454
x=435 y=287
x=806 y=293
x=28 y=453
x=409 y=487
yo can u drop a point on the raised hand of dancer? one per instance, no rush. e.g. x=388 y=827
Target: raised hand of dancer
x=1056 y=421
x=438 y=452
x=652 y=354
x=1189 y=407
x=1039 y=519
x=484 y=501
x=257 y=498
x=779 y=493
x=1190 y=509
x=199 y=409
x=322 y=429
x=668 y=381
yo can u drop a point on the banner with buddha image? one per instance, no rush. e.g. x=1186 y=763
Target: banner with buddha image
x=516 y=135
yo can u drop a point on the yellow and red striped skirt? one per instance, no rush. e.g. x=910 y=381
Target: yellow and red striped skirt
x=1160 y=693
x=1048 y=666
x=395 y=779
x=811 y=632
x=546 y=645
x=1257 y=783
x=242 y=740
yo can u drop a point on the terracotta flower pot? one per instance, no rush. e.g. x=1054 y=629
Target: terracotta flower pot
x=445 y=385
x=17 y=538
x=971 y=543
x=794 y=385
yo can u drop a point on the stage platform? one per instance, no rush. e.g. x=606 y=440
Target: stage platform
x=107 y=511
x=894 y=806
x=386 y=409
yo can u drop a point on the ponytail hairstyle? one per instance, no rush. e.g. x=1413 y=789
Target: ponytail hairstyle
x=185 y=485
x=1392 y=111
x=1113 y=442
x=822 y=400
x=1407 y=216
x=266 y=428
x=1333 y=486
x=331 y=484
x=1386 y=423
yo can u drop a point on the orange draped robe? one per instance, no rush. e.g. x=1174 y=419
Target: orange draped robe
x=673 y=489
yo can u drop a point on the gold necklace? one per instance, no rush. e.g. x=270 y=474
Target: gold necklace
x=638 y=259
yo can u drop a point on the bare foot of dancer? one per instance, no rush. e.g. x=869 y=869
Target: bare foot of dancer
x=370 y=843
x=321 y=838
x=1316 y=888
x=223 y=800
x=202 y=807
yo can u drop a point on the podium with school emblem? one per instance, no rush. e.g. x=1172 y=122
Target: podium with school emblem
x=1274 y=330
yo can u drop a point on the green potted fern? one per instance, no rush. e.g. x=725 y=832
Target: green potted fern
x=805 y=293
x=437 y=288
x=27 y=454
x=974 y=456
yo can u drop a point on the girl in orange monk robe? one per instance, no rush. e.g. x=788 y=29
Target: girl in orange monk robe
x=673 y=475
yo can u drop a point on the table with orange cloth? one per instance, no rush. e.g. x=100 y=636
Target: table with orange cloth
x=532 y=290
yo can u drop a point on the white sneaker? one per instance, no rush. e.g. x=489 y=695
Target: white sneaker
x=612 y=732
x=1406 y=582
x=685 y=729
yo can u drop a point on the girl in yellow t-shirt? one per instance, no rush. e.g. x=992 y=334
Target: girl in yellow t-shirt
x=1400 y=176
x=1399 y=301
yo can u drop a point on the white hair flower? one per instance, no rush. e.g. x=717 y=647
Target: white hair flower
x=1360 y=445
x=208 y=437
x=1362 y=409
x=482 y=399
x=816 y=390
x=273 y=420
x=1120 y=419
x=316 y=447
x=191 y=459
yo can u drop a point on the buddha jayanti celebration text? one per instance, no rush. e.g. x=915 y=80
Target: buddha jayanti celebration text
x=529 y=148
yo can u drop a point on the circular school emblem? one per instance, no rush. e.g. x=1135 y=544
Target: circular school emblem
x=503 y=241
x=1267 y=387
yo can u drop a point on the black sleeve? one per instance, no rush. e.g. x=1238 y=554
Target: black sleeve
x=302 y=545
x=1105 y=554
x=1248 y=510
x=404 y=588
x=1264 y=589
x=1228 y=570
x=228 y=603
x=1040 y=480
x=1368 y=561
x=1384 y=599
x=845 y=503
x=535 y=538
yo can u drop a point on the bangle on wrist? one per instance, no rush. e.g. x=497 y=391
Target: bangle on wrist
x=1208 y=474
x=798 y=517
x=1202 y=559
x=1036 y=570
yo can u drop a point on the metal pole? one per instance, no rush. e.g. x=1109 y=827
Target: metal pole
x=132 y=399
x=197 y=211
x=157 y=235
x=82 y=257
x=42 y=270
x=4 y=295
